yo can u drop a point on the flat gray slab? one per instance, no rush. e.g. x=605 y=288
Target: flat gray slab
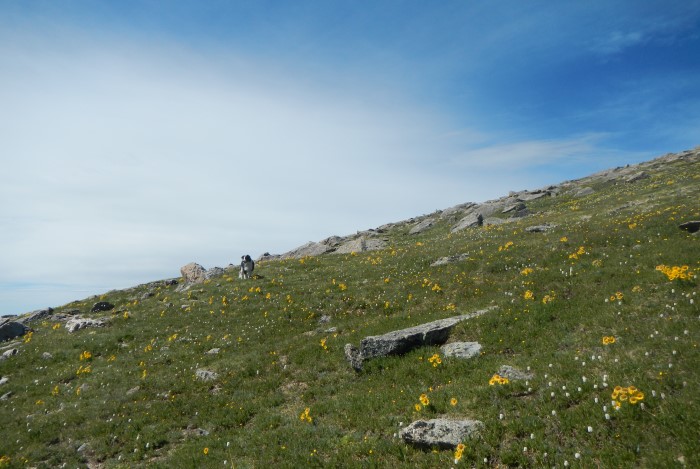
x=461 y=349
x=405 y=340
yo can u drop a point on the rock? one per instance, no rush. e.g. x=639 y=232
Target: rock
x=6 y=396
x=214 y=272
x=513 y=374
x=528 y=196
x=422 y=226
x=309 y=249
x=516 y=207
x=461 y=349
x=9 y=353
x=440 y=433
x=361 y=244
x=457 y=211
x=450 y=260
x=133 y=391
x=402 y=341
x=325 y=319
x=494 y=221
x=206 y=375
x=193 y=273
x=470 y=221
x=352 y=355
x=38 y=315
x=637 y=177
x=83 y=447
x=584 y=191
x=4 y=380
x=213 y=351
x=46 y=356
x=540 y=228
x=11 y=329
x=690 y=226
x=101 y=306
x=77 y=323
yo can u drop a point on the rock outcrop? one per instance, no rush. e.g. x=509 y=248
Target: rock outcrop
x=404 y=340
x=440 y=433
x=79 y=322
x=11 y=329
x=193 y=273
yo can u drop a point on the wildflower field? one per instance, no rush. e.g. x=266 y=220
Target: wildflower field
x=602 y=311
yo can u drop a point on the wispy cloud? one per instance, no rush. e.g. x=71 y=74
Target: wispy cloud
x=535 y=153
x=617 y=41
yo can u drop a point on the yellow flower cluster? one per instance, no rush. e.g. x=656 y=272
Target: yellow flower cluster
x=548 y=298
x=28 y=337
x=458 y=452
x=617 y=296
x=498 y=379
x=435 y=360
x=4 y=461
x=580 y=252
x=528 y=295
x=83 y=369
x=323 y=344
x=563 y=239
x=676 y=272
x=526 y=271
x=630 y=394
x=85 y=356
x=506 y=246
x=306 y=416
x=453 y=401
x=608 y=340
x=423 y=398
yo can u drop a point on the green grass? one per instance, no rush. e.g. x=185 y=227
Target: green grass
x=141 y=405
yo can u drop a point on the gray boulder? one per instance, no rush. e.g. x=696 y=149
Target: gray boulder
x=450 y=259
x=540 y=228
x=470 y=221
x=528 y=196
x=193 y=273
x=513 y=374
x=11 y=329
x=77 y=323
x=101 y=306
x=404 y=340
x=214 y=272
x=39 y=315
x=584 y=191
x=309 y=249
x=206 y=375
x=440 y=433
x=461 y=349
x=361 y=244
x=637 y=177
x=422 y=226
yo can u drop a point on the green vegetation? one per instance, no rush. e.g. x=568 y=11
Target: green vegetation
x=582 y=306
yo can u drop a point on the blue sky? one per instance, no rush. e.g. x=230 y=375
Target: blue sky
x=138 y=136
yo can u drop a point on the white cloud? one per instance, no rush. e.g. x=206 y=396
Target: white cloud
x=124 y=164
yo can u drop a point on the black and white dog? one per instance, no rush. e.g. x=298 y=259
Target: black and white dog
x=247 y=267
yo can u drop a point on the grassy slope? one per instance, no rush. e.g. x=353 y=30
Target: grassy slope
x=276 y=360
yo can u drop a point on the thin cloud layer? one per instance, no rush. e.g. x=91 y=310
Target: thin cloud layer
x=135 y=141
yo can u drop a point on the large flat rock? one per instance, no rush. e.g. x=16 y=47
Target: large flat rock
x=405 y=340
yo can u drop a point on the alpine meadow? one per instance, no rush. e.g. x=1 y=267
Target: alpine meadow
x=578 y=302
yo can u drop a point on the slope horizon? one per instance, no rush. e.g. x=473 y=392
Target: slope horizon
x=147 y=277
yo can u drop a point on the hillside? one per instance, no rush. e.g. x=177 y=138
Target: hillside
x=586 y=337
